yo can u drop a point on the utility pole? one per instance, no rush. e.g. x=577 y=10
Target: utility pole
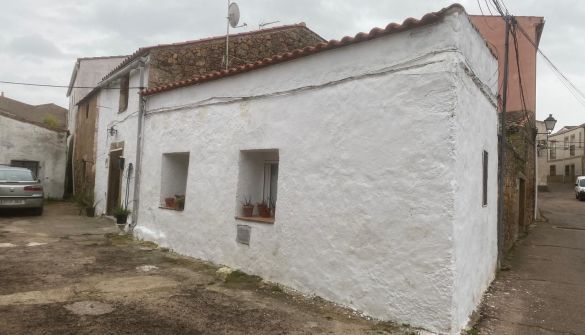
x=227 y=40
x=503 y=140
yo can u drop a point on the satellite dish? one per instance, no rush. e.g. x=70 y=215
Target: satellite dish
x=234 y=14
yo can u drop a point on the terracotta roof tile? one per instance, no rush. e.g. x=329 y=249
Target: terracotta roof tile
x=391 y=28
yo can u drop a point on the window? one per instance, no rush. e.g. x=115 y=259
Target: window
x=553 y=149
x=258 y=185
x=580 y=139
x=124 y=88
x=86 y=108
x=31 y=165
x=553 y=170
x=566 y=143
x=485 y=179
x=572 y=146
x=175 y=168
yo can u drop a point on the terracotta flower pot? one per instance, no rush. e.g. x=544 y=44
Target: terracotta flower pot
x=170 y=202
x=248 y=211
x=264 y=211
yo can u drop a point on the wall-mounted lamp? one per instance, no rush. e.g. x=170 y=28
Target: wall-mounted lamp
x=549 y=123
x=112 y=131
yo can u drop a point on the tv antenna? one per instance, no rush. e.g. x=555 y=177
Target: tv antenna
x=261 y=25
x=233 y=19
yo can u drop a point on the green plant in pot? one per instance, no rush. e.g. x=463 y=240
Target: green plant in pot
x=179 y=202
x=121 y=214
x=86 y=202
x=247 y=207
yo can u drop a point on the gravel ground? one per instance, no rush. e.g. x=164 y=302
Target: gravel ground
x=66 y=274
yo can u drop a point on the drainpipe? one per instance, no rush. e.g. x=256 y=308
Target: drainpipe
x=139 y=143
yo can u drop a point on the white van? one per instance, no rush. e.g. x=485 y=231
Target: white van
x=580 y=188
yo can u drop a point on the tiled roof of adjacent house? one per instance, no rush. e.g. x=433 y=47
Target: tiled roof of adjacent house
x=145 y=50
x=391 y=28
x=34 y=114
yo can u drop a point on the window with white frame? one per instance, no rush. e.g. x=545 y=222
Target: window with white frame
x=174 y=173
x=257 y=185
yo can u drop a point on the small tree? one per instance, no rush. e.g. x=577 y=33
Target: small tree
x=51 y=121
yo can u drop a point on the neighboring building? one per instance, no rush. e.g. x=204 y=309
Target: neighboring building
x=520 y=159
x=566 y=154
x=378 y=151
x=87 y=73
x=541 y=157
x=110 y=127
x=35 y=137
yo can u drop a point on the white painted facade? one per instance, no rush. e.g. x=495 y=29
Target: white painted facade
x=541 y=155
x=87 y=73
x=126 y=126
x=24 y=141
x=380 y=149
x=566 y=154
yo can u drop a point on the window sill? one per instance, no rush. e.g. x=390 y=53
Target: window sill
x=171 y=209
x=257 y=219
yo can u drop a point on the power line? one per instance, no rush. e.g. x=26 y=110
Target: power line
x=61 y=86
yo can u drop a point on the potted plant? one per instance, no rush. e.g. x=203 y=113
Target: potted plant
x=121 y=214
x=86 y=202
x=170 y=202
x=263 y=209
x=179 y=202
x=247 y=207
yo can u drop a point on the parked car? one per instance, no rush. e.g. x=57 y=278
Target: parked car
x=19 y=189
x=580 y=188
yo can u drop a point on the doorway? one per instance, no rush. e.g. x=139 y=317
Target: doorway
x=114 y=180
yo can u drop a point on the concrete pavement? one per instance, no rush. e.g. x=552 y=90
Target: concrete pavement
x=544 y=291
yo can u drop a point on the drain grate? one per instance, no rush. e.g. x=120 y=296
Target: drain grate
x=569 y=228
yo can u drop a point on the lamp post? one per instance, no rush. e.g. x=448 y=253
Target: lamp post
x=549 y=124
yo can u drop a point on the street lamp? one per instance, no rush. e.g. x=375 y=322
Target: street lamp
x=549 y=123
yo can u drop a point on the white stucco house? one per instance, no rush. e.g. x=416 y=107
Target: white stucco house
x=379 y=153
x=36 y=146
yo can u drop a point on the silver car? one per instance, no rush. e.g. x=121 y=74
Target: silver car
x=19 y=189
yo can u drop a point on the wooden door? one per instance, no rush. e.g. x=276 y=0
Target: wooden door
x=114 y=180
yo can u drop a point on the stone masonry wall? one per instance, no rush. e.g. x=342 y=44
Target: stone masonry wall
x=177 y=62
x=519 y=164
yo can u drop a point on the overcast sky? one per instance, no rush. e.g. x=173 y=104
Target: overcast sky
x=41 y=39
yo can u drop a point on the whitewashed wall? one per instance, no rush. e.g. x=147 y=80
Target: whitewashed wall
x=378 y=180
x=25 y=141
x=126 y=124
x=90 y=72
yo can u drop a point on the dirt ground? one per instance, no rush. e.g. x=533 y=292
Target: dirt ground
x=543 y=293
x=66 y=274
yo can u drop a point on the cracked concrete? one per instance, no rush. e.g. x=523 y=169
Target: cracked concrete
x=543 y=293
x=86 y=279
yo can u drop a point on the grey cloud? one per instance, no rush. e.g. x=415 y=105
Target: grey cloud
x=33 y=46
x=71 y=29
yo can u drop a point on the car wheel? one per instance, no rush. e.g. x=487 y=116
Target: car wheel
x=38 y=211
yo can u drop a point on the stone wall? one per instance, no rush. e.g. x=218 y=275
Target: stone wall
x=182 y=61
x=84 y=146
x=519 y=168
